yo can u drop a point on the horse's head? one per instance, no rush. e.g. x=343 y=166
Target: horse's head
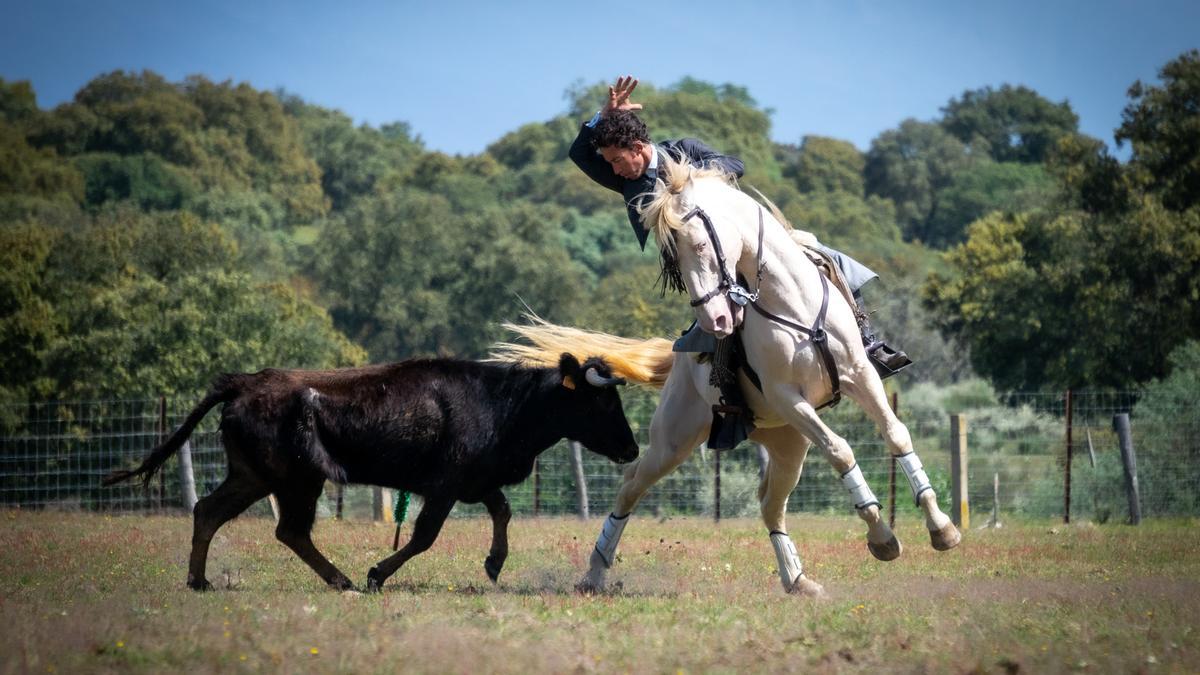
x=700 y=246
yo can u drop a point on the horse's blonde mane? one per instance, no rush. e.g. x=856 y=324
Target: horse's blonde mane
x=661 y=218
x=657 y=212
x=645 y=362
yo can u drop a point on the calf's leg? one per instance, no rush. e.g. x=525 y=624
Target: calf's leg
x=238 y=491
x=297 y=511
x=425 y=532
x=497 y=506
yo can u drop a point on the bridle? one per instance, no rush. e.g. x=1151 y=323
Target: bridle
x=739 y=295
x=728 y=285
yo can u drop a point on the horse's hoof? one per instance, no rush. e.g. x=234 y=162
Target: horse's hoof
x=946 y=538
x=805 y=587
x=374 y=583
x=493 y=568
x=888 y=550
x=200 y=586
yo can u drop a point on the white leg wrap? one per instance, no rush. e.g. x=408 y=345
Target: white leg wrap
x=789 y=560
x=917 y=480
x=610 y=536
x=860 y=493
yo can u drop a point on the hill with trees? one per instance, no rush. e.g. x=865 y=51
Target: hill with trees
x=154 y=234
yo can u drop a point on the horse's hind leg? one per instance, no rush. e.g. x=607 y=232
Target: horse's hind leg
x=680 y=423
x=297 y=511
x=497 y=506
x=787 y=449
x=796 y=410
x=236 y=493
x=869 y=394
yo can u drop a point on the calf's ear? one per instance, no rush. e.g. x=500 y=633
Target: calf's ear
x=568 y=367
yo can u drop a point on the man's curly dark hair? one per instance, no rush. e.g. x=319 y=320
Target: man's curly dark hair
x=619 y=129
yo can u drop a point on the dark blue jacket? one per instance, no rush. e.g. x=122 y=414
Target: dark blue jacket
x=593 y=164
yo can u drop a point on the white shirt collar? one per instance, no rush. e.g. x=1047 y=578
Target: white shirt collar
x=653 y=165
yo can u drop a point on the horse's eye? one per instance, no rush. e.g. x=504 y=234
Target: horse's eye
x=699 y=247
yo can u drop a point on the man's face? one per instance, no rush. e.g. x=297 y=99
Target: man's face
x=627 y=163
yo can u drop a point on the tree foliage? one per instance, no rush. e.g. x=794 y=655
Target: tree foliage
x=1015 y=124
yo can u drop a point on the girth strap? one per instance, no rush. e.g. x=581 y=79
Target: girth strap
x=819 y=338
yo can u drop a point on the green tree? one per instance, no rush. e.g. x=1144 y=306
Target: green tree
x=910 y=165
x=980 y=189
x=823 y=164
x=1073 y=299
x=1015 y=123
x=1162 y=124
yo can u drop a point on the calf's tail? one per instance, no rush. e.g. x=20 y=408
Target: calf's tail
x=224 y=389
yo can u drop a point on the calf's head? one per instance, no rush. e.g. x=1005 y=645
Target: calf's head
x=594 y=416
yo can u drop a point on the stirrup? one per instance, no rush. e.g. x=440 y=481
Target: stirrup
x=887 y=361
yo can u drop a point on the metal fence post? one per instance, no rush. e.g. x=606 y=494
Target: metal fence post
x=1129 y=461
x=960 y=511
x=1067 y=471
x=537 y=489
x=892 y=469
x=717 y=485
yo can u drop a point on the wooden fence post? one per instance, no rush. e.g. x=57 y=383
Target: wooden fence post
x=1129 y=461
x=1067 y=471
x=376 y=503
x=187 y=479
x=581 y=495
x=995 y=500
x=960 y=511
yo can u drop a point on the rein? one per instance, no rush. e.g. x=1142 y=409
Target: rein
x=742 y=297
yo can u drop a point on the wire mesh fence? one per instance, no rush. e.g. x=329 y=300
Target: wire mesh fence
x=55 y=454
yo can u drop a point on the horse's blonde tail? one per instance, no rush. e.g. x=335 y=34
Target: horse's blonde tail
x=646 y=362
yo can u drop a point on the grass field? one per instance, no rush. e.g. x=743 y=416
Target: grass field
x=92 y=593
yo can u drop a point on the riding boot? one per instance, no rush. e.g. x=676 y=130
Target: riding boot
x=886 y=360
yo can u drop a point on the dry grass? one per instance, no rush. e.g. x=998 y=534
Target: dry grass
x=88 y=593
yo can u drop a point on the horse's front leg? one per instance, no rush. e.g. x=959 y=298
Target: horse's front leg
x=787 y=449
x=869 y=394
x=680 y=423
x=881 y=541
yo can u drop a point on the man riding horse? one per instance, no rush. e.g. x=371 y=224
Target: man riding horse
x=614 y=149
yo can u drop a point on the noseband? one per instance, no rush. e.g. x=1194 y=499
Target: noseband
x=742 y=297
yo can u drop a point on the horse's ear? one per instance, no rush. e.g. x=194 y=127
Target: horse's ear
x=686 y=202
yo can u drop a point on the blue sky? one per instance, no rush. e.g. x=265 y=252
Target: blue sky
x=464 y=73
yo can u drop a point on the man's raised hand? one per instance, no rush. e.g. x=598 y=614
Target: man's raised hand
x=618 y=95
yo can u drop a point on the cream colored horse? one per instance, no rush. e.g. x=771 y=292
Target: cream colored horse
x=794 y=379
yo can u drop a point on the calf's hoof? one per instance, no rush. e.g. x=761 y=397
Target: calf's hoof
x=341 y=583
x=946 y=538
x=493 y=567
x=888 y=550
x=199 y=585
x=374 y=582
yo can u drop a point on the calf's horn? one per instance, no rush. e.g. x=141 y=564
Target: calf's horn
x=595 y=379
